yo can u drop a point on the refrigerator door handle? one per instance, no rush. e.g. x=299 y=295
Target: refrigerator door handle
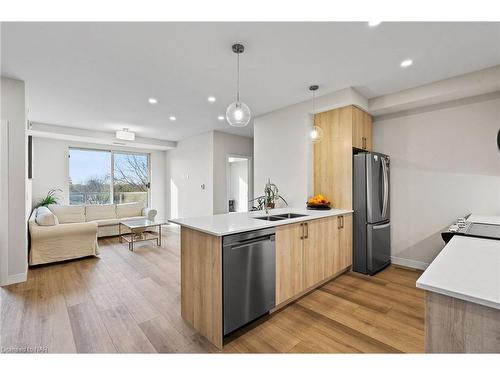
x=386 y=188
x=382 y=226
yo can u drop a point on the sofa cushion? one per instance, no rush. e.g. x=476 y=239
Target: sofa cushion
x=43 y=210
x=129 y=209
x=68 y=214
x=45 y=217
x=100 y=212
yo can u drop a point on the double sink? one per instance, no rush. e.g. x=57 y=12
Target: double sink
x=280 y=217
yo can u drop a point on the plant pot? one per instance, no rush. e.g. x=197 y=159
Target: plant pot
x=270 y=205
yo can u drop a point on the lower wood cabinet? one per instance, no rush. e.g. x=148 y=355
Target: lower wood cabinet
x=345 y=244
x=289 y=270
x=309 y=252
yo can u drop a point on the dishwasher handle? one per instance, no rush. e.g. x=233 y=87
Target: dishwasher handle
x=240 y=244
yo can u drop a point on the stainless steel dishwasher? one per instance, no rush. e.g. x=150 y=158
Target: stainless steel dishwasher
x=249 y=274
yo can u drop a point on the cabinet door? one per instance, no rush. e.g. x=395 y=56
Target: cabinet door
x=329 y=241
x=289 y=259
x=361 y=129
x=345 y=243
x=321 y=243
x=333 y=157
x=358 y=128
x=367 y=130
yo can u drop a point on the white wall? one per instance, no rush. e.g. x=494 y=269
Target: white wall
x=201 y=160
x=238 y=184
x=283 y=149
x=228 y=145
x=13 y=110
x=460 y=87
x=51 y=171
x=444 y=164
x=189 y=166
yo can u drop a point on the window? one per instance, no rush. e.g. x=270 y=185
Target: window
x=100 y=177
x=131 y=178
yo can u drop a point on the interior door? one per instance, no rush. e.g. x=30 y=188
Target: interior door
x=4 y=199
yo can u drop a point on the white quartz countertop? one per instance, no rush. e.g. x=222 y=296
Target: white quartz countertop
x=485 y=219
x=467 y=268
x=224 y=224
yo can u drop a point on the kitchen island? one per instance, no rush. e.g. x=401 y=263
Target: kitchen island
x=463 y=297
x=311 y=248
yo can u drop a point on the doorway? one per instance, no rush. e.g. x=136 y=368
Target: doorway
x=238 y=183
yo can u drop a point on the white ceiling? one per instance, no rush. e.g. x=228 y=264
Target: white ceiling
x=100 y=75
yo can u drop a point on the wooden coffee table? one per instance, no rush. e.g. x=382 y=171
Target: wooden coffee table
x=138 y=232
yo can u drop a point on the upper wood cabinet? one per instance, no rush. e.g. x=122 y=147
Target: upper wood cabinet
x=343 y=128
x=361 y=129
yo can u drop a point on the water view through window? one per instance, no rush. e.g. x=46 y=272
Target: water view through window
x=100 y=177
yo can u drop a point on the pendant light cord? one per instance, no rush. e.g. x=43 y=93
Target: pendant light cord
x=238 y=78
x=313 y=101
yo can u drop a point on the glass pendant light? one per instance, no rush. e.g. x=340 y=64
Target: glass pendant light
x=237 y=113
x=316 y=132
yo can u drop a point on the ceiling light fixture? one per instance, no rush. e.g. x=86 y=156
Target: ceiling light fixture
x=125 y=135
x=316 y=132
x=406 y=63
x=211 y=99
x=237 y=113
x=172 y=118
x=374 y=23
x=221 y=118
x=152 y=101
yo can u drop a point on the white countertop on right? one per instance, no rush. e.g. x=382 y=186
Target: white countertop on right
x=485 y=219
x=467 y=268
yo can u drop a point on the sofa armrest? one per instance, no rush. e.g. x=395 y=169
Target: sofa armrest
x=42 y=232
x=150 y=213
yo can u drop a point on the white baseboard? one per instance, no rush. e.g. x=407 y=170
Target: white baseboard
x=17 y=278
x=409 y=263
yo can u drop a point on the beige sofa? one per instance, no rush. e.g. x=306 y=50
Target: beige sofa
x=68 y=232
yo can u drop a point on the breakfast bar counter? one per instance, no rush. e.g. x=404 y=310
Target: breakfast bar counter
x=463 y=297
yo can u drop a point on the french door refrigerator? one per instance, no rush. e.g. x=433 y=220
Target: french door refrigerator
x=371 y=218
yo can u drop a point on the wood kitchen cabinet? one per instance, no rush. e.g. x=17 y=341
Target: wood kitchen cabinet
x=361 y=129
x=343 y=129
x=289 y=274
x=320 y=245
x=310 y=253
x=343 y=258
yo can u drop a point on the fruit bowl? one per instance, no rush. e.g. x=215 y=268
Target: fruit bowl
x=318 y=202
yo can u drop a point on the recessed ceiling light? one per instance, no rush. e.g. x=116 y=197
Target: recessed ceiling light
x=406 y=63
x=221 y=118
x=211 y=99
x=374 y=23
x=172 y=118
x=152 y=101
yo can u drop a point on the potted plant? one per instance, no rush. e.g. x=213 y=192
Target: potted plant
x=49 y=199
x=268 y=200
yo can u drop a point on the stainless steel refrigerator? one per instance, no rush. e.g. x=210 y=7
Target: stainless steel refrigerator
x=371 y=219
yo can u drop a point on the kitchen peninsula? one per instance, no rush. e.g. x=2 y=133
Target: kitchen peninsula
x=463 y=295
x=287 y=253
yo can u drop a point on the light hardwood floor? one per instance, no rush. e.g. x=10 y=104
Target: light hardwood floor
x=129 y=302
